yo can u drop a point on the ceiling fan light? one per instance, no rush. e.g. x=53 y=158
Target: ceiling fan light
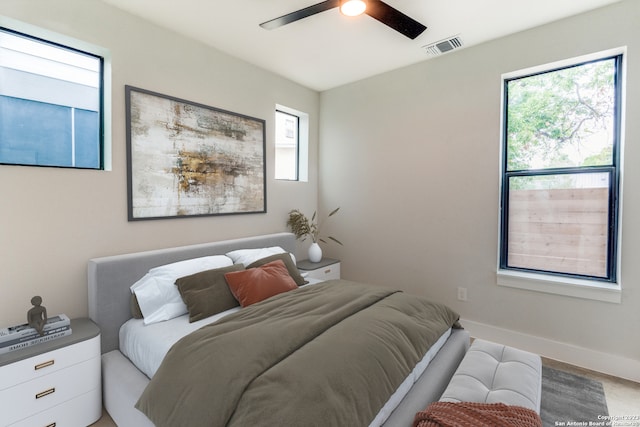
x=353 y=7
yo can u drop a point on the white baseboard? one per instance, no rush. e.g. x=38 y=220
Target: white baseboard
x=605 y=363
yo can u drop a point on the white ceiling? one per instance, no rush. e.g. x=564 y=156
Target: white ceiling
x=329 y=49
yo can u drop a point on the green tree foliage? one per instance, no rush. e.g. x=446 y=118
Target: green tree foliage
x=561 y=118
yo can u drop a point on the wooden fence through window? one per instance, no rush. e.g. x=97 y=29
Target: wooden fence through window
x=561 y=230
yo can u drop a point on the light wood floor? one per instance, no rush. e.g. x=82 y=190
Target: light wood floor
x=623 y=396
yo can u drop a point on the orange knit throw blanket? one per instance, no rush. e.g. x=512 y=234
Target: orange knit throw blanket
x=467 y=414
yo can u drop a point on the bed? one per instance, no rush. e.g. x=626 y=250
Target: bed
x=126 y=384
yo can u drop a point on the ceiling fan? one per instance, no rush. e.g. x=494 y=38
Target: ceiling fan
x=375 y=8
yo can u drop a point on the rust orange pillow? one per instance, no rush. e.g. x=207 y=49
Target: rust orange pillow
x=257 y=284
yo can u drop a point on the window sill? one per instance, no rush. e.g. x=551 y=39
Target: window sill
x=576 y=288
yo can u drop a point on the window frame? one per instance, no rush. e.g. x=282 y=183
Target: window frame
x=102 y=56
x=579 y=285
x=297 y=138
x=302 y=149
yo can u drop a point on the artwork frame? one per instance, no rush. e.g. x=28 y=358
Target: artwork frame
x=186 y=159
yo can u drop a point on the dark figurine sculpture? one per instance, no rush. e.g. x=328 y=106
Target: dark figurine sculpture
x=37 y=315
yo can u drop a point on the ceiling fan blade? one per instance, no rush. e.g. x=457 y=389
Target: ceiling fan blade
x=300 y=14
x=394 y=19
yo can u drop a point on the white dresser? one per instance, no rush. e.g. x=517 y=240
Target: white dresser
x=53 y=384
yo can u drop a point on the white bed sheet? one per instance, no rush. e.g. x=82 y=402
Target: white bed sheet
x=146 y=346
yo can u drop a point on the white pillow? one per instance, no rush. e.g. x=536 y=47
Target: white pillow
x=157 y=293
x=249 y=256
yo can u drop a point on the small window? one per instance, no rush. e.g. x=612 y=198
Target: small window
x=291 y=141
x=560 y=172
x=286 y=146
x=51 y=104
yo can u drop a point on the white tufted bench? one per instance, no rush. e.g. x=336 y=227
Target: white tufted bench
x=494 y=373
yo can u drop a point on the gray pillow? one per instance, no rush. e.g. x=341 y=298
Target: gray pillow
x=207 y=293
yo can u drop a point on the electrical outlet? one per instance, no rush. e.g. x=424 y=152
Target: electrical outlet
x=462 y=294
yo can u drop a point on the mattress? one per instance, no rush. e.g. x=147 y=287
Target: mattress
x=146 y=345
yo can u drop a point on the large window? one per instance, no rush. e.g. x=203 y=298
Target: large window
x=560 y=172
x=51 y=103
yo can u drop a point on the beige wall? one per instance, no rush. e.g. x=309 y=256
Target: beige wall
x=412 y=157
x=53 y=220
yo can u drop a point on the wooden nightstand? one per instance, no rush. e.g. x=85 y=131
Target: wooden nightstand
x=326 y=269
x=55 y=383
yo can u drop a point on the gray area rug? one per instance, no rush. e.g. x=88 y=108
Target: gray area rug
x=569 y=399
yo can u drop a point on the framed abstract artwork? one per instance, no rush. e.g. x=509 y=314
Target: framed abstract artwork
x=187 y=159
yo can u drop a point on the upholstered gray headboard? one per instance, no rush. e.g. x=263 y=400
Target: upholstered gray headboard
x=110 y=277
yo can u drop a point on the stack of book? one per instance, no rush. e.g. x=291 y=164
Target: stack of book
x=23 y=336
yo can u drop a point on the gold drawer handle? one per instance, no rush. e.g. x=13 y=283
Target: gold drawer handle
x=44 y=365
x=46 y=393
x=327 y=271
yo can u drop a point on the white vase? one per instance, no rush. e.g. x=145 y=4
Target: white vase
x=315 y=252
